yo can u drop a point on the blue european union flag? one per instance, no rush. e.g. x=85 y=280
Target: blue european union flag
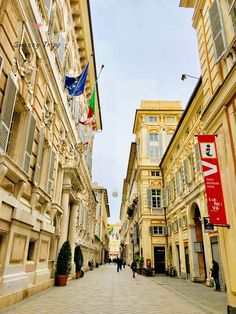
x=76 y=85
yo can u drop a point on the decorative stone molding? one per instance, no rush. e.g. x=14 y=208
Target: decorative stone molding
x=19 y=189
x=48 y=118
x=3 y=171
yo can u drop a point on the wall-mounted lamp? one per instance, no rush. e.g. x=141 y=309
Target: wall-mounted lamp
x=185 y=76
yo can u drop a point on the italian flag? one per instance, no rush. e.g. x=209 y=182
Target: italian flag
x=91 y=107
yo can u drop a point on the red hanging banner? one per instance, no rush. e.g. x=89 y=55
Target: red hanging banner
x=211 y=173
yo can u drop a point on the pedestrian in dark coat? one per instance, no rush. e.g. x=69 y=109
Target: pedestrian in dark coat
x=215 y=274
x=134 y=268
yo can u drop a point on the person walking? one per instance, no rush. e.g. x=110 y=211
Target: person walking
x=134 y=268
x=215 y=274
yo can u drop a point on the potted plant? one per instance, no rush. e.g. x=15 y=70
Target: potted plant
x=78 y=259
x=63 y=264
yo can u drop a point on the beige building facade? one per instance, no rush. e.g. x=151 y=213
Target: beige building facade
x=216 y=43
x=46 y=194
x=101 y=228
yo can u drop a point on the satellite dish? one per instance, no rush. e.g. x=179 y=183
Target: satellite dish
x=114 y=194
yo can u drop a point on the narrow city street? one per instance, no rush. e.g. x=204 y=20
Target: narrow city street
x=104 y=290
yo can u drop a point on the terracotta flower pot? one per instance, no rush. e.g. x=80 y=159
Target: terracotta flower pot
x=61 y=280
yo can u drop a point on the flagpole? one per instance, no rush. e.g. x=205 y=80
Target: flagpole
x=82 y=73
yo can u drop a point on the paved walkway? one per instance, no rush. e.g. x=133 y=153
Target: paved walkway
x=104 y=291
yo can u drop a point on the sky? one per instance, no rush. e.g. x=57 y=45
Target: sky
x=145 y=46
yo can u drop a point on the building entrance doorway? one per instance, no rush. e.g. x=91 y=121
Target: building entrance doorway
x=159 y=259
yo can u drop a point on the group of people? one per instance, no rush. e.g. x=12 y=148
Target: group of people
x=119 y=263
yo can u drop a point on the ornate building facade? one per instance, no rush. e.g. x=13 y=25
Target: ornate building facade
x=215 y=25
x=143 y=224
x=46 y=194
x=101 y=228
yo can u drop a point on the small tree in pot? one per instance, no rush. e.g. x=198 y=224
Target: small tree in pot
x=78 y=259
x=63 y=264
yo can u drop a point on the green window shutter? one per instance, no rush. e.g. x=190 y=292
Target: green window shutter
x=8 y=106
x=165 y=229
x=177 y=181
x=39 y=159
x=163 y=198
x=29 y=143
x=149 y=198
x=217 y=30
x=1 y=64
x=50 y=172
x=191 y=165
x=198 y=158
x=186 y=171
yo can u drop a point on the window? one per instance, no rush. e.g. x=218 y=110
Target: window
x=48 y=6
x=217 y=30
x=153 y=137
x=154 y=198
x=155 y=147
x=2 y=238
x=170 y=119
x=8 y=106
x=197 y=158
x=168 y=138
x=155 y=173
x=31 y=249
x=232 y=13
x=1 y=64
x=158 y=230
x=188 y=170
x=151 y=119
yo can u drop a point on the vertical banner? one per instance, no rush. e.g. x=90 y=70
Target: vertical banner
x=211 y=173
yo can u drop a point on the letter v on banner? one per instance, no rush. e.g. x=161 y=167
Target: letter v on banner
x=211 y=173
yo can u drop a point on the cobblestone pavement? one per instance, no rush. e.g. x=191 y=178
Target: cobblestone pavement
x=104 y=291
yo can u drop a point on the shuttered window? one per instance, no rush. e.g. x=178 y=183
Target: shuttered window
x=164 y=198
x=154 y=198
x=7 y=112
x=1 y=64
x=50 y=172
x=217 y=30
x=38 y=164
x=188 y=170
x=48 y=6
x=177 y=180
x=29 y=143
x=197 y=157
x=232 y=13
x=61 y=47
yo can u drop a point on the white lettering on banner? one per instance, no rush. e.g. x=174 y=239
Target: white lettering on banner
x=212 y=170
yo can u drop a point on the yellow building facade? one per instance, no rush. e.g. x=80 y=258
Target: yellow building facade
x=101 y=228
x=216 y=43
x=142 y=216
x=46 y=194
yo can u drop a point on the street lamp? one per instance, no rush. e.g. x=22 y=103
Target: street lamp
x=184 y=77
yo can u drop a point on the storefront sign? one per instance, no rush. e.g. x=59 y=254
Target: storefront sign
x=211 y=173
x=208 y=227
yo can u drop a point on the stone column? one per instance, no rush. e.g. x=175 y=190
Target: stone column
x=65 y=217
x=72 y=230
x=193 y=257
